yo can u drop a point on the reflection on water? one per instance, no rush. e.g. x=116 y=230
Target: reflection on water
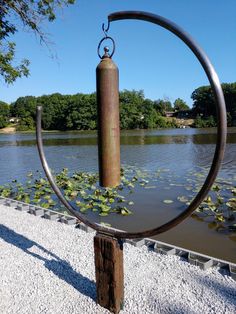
x=178 y=150
x=126 y=139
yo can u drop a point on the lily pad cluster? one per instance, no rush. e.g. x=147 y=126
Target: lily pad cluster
x=219 y=207
x=81 y=188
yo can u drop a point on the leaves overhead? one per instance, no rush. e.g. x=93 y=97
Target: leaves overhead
x=29 y=15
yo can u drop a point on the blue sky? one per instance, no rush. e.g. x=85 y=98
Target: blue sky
x=149 y=57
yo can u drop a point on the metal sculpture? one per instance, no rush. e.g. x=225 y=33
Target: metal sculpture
x=108 y=247
x=108 y=119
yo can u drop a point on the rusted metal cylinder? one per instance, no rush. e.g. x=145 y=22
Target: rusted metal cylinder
x=108 y=122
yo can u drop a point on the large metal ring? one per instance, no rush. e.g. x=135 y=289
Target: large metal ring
x=221 y=132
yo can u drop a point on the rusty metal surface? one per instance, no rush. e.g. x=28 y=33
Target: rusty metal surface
x=221 y=131
x=108 y=122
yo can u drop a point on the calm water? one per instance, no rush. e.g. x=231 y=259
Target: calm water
x=176 y=151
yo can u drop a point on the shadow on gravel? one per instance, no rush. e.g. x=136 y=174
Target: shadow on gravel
x=222 y=290
x=61 y=268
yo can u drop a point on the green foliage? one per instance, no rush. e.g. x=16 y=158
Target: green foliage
x=204 y=103
x=9 y=71
x=24 y=107
x=131 y=115
x=82 y=113
x=180 y=104
x=26 y=124
x=204 y=122
x=4 y=114
x=29 y=14
x=79 y=112
x=162 y=106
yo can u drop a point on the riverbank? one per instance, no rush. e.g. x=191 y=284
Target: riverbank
x=8 y=130
x=180 y=123
x=48 y=267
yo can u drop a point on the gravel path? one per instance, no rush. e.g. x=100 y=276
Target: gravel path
x=48 y=267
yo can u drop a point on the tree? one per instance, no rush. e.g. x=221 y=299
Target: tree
x=204 y=102
x=24 y=107
x=79 y=112
x=204 y=122
x=131 y=110
x=162 y=106
x=180 y=104
x=30 y=14
x=26 y=124
x=4 y=114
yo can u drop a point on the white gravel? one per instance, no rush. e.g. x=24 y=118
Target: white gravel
x=48 y=267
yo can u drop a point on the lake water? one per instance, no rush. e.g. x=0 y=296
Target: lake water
x=177 y=153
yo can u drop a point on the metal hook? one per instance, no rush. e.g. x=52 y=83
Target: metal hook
x=105 y=30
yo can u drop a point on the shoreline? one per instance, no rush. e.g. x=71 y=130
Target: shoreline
x=12 y=130
x=49 y=267
x=8 y=130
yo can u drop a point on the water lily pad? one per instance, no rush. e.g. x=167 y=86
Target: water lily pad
x=105 y=224
x=105 y=208
x=125 y=211
x=150 y=187
x=83 y=209
x=220 y=218
x=216 y=188
x=103 y=214
x=182 y=199
x=188 y=188
x=168 y=201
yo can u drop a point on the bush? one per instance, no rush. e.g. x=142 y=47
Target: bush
x=26 y=124
x=3 y=122
x=204 y=122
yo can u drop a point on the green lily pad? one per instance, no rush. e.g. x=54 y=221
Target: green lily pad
x=150 y=187
x=105 y=224
x=183 y=199
x=103 y=214
x=168 y=201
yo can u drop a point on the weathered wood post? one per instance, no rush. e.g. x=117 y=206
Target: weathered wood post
x=109 y=272
x=108 y=250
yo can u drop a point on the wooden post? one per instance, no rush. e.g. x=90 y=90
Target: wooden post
x=109 y=272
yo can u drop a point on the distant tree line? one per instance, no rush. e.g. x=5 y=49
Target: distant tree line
x=79 y=112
